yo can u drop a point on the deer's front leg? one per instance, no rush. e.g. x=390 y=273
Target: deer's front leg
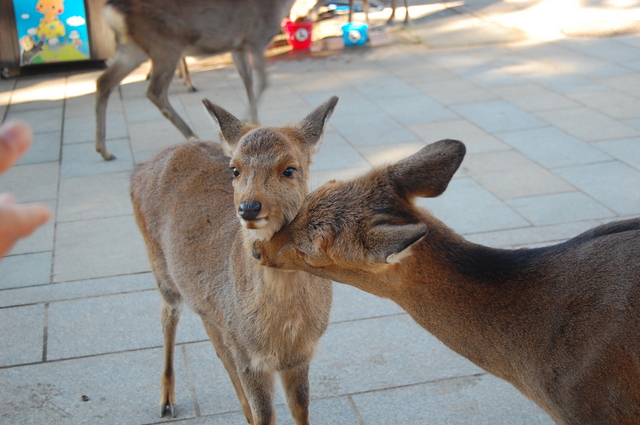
x=296 y=386
x=258 y=387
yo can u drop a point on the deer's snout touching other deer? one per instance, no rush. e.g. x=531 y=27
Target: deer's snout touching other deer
x=164 y=30
x=560 y=323
x=200 y=211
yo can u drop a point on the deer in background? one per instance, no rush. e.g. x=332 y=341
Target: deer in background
x=365 y=8
x=165 y=30
x=561 y=323
x=200 y=211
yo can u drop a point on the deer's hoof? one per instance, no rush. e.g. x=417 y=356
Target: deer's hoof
x=192 y=89
x=167 y=408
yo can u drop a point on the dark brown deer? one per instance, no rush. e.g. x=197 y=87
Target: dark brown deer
x=164 y=30
x=200 y=211
x=561 y=323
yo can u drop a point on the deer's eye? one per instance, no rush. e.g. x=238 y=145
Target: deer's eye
x=235 y=172
x=288 y=173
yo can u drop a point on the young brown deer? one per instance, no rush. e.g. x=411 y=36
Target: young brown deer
x=200 y=212
x=560 y=323
x=164 y=30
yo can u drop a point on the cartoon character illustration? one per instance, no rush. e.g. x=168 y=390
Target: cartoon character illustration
x=56 y=33
x=50 y=26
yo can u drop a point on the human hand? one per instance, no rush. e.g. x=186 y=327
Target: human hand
x=16 y=221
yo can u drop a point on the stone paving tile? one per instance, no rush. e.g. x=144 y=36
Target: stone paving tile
x=31 y=182
x=97 y=196
x=588 y=67
x=475 y=139
x=531 y=97
x=139 y=110
x=371 y=129
x=78 y=289
x=81 y=159
x=497 y=116
x=385 y=87
x=610 y=102
x=382 y=352
x=629 y=84
x=626 y=150
x=608 y=183
x=509 y=174
x=25 y=270
x=467 y=207
x=350 y=303
x=488 y=76
x=565 y=83
x=588 y=125
x=84 y=106
x=83 y=128
x=559 y=208
x=418 y=72
x=472 y=400
x=351 y=102
x=21 y=331
x=552 y=148
x=605 y=49
x=338 y=411
x=211 y=382
x=543 y=235
x=122 y=389
x=112 y=323
x=40 y=121
x=335 y=152
x=98 y=248
x=45 y=147
x=454 y=91
x=153 y=136
x=415 y=109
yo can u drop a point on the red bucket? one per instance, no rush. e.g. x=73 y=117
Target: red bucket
x=298 y=33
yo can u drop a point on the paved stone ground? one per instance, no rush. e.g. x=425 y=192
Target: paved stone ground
x=552 y=127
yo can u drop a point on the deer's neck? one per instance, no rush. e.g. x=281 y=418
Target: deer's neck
x=472 y=298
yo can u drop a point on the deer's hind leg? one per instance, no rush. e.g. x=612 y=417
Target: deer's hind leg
x=241 y=60
x=296 y=385
x=230 y=365
x=128 y=57
x=162 y=70
x=170 y=316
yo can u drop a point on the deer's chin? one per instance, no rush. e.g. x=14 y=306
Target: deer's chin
x=257 y=224
x=261 y=229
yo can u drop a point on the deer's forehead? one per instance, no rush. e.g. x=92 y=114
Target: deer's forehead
x=266 y=145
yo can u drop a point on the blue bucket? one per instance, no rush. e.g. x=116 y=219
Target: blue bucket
x=355 y=33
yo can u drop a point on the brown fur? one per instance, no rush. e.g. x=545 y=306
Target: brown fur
x=164 y=30
x=560 y=323
x=260 y=320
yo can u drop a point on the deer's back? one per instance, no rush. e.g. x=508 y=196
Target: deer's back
x=203 y=26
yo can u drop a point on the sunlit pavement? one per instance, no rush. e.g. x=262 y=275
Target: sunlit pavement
x=545 y=94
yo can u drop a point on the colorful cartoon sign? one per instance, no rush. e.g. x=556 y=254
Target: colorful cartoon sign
x=51 y=31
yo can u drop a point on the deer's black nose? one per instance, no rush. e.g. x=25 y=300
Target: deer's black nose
x=249 y=210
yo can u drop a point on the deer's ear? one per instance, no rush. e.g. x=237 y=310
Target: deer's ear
x=231 y=128
x=312 y=126
x=390 y=243
x=427 y=173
